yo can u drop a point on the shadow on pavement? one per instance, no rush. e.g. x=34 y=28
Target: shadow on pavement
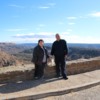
x=23 y=85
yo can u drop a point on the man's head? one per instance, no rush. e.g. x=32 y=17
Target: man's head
x=57 y=37
x=41 y=42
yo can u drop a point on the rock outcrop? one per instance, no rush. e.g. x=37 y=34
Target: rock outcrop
x=7 y=59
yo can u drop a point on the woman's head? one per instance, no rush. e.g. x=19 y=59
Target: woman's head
x=41 y=42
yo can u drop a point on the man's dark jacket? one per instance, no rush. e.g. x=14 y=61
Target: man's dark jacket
x=38 y=55
x=59 y=48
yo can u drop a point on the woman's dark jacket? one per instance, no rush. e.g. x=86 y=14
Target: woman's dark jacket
x=38 y=55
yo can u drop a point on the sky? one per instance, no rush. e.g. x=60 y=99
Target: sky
x=27 y=21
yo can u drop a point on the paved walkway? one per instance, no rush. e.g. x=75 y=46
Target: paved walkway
x=49 y=87
x=92 y=93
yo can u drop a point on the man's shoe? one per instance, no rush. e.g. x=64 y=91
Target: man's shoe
x=65 y=78
x=36 y=78
x=40 y=78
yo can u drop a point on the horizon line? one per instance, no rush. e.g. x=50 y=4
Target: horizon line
x=45 y=43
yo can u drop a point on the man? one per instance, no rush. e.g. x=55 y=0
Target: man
x=40 y=56
x=60 y=51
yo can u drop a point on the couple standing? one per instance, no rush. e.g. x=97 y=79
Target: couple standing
x=40 y=56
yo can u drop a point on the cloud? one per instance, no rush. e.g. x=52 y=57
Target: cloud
x=78 y=17
x=33 y=40
x=71 y=23
x=16 y=6
x=23 y=35
x=71 y=18
x=83 y=17
x=15 y=30
x=47 y=6
x=96 y=14
x=41 y=25
x=70 y=38
x=48 y=37
x=51 y=4
x=44 y=7
x=33 y=35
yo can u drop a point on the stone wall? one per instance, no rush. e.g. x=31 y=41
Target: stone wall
x=77 y=66
x=22 y=73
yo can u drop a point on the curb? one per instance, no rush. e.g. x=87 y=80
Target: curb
x=58 y=92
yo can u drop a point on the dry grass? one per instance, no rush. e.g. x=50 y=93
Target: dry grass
x=16 y=68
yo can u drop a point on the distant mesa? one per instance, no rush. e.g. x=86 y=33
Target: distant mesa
x=12 y=53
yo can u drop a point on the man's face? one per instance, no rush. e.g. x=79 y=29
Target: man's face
x=57 y=37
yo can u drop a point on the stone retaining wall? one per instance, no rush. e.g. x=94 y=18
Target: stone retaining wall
x=78 y=66
x=27 y=73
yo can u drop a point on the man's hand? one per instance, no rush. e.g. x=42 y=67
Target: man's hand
x=49 y=60
x=65 y=56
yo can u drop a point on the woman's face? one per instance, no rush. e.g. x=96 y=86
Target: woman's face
x=41 y=43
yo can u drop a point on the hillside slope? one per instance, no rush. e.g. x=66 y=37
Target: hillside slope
x=7 y=59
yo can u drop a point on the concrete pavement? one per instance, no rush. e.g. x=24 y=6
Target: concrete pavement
x=38 y=89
